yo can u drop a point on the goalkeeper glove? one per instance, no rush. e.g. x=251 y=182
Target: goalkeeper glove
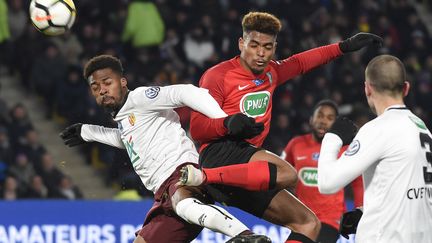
x=241 y=126
x=71 y=135
x=345 y=129
x=349 y=222
x=359 y=41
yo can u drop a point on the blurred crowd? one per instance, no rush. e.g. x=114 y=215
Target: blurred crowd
x=164 y=42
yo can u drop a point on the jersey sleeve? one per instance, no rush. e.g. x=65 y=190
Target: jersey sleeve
x=305 y=61
x=366 y=148
x=174 y=96
x=356 y=185
x=287 y=153
x=203 y=128
x=105 y=135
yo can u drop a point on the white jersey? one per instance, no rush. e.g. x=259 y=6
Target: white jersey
x=393 y=152
x=150 y=131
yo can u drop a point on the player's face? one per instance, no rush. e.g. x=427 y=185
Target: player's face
x=257 y=49
x=108 y=88
x=322 y=120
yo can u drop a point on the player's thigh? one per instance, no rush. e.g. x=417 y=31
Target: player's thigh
x=184 y=192
x=285 y=209
x=271 y=157
x=169 y=229
x=253 y=202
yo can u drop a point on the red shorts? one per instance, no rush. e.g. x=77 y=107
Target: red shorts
x=162 y=224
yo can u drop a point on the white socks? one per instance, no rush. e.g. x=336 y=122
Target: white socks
x=210 y=216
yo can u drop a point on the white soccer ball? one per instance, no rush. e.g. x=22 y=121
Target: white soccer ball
x=52 y=17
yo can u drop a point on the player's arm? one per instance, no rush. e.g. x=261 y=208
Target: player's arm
x=180 y=95
x=356 y=186
x=305 y=61
x=334 y=174
x=202 y=128
x=77 y=134
x=358 y=191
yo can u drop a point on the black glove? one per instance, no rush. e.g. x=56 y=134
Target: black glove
x=241 y=126
x=345 y=129
x=71 y=135
x=359 y=41
x=349 y=222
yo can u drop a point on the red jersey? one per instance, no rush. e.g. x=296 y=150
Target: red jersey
x=303 y=153
x=239 y=90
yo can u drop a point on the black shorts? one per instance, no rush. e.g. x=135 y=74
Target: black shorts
x=229 y=152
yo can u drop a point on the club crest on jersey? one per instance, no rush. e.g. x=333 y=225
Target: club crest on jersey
x=152 y=92
x=258 y=82
x=132 y=119
x=353 y=148
x=315 y=156
x=255 y=104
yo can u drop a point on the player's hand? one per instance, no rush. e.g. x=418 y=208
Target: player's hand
x=349 y=222
x=71 y=135
x=241 y=126
x=345 y=129
x=359 y=41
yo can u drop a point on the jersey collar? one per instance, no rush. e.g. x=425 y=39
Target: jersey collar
x=396 y=107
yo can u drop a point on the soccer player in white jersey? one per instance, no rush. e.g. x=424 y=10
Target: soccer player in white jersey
x=150 y=131
x=394 y=154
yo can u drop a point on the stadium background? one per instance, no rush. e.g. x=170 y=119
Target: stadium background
x=166 y=42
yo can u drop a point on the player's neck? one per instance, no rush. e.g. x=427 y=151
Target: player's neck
x=385 y=103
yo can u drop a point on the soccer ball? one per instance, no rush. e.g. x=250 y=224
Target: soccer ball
x=52 y=17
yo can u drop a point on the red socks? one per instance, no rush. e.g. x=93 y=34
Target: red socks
x=253 y=176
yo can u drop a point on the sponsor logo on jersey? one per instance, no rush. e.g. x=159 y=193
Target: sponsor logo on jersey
x=132 y=119
x=270 y=77
x=243 y=87
x=309 y=176
x=129 y=145
x=152 y=92
x=315 y=156
x=353 y=148
x=301 y=157
x=258 y=82
x=418 y=122
x=255 y=104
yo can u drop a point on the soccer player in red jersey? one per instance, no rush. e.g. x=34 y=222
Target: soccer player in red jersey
x=303 y=153
x=241 y=173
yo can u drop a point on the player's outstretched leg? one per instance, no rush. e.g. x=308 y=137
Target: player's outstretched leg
x=250 y=239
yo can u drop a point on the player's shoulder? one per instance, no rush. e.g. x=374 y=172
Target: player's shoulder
x=298 y=140
x=221 y=69
x=145 y=92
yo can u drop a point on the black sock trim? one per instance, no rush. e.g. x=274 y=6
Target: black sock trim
x=300 y=237
x=273 y=174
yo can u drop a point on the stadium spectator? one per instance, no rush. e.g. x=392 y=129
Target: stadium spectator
x=10 y=190
x=50 y=174
x=67 y=190
x=20 y=124
x=33 y=149
x=36 y=190
x=22 y=170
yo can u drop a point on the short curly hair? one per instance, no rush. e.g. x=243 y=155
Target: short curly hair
x=101 y=62
x=261 y=22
